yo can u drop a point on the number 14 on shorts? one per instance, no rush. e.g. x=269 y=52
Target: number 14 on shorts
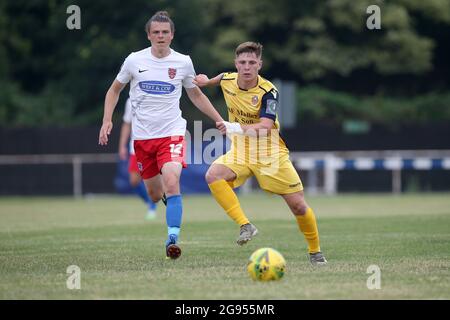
x=175 y=149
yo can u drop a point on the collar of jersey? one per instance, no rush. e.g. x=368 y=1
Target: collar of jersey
x=257 y=84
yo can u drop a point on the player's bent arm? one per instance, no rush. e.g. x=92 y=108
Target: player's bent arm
x=125 y=132
x=202 y=80
x=202 y=102
x=261 y=128
x=112 y=96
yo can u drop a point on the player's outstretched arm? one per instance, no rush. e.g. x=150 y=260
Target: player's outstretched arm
x=202 y=80
x=202 y=102
x=112 y=96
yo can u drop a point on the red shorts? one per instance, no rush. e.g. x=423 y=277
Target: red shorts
x=152 y=154
x=132 y=164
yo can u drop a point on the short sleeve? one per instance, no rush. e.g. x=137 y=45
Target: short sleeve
x=190 y=74
x=269 y=105
x=124 y=75
x=225 y=76
x=127 y=114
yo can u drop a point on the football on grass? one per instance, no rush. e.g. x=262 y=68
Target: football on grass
x=266 y=264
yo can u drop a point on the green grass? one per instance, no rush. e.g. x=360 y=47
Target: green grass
x=121 y=256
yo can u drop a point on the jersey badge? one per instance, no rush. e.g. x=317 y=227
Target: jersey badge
x=254 y=100
x=172 y=73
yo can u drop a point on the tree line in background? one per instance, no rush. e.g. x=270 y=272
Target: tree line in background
x=50 y=75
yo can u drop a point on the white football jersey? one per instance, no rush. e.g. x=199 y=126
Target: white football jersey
x=127 y=118
x=155 y=92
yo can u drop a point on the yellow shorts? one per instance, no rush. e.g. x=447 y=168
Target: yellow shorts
x=277 y=176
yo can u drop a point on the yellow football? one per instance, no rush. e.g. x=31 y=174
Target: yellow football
x=266 y=264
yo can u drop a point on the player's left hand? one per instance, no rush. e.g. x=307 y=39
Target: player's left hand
x=201 y=80
x=105 y=131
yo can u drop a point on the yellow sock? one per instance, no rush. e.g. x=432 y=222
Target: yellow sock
x=307 y=224
x=225 y=196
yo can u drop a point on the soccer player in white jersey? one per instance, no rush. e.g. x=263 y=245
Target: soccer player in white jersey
x=126 y=153
x=157 y=75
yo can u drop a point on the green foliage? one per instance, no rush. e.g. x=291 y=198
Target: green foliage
x=317 y=103
x=319 y=39
x=50 y=107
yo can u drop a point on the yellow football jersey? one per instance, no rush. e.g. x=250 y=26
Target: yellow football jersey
x=248 y=107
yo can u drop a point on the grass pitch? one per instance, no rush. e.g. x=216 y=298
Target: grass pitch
x=121 y=256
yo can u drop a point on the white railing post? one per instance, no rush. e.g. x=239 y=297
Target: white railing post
x=77 y=177
x=313 y=181
x=330 y=174
x=397 y=181
x=395 y=164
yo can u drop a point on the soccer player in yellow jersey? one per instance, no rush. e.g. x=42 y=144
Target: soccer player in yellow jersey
x=257 y=148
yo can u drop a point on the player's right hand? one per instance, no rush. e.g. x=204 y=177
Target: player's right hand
x=201 y=80
x=123 y=153
x=226 y=127
x=222 y=128
x=105 y=131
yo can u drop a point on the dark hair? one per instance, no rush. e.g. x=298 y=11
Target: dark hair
x=250 y=47
x=160 y=16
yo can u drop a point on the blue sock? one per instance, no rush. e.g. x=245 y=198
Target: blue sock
x=174 y=212
x=141 y=191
